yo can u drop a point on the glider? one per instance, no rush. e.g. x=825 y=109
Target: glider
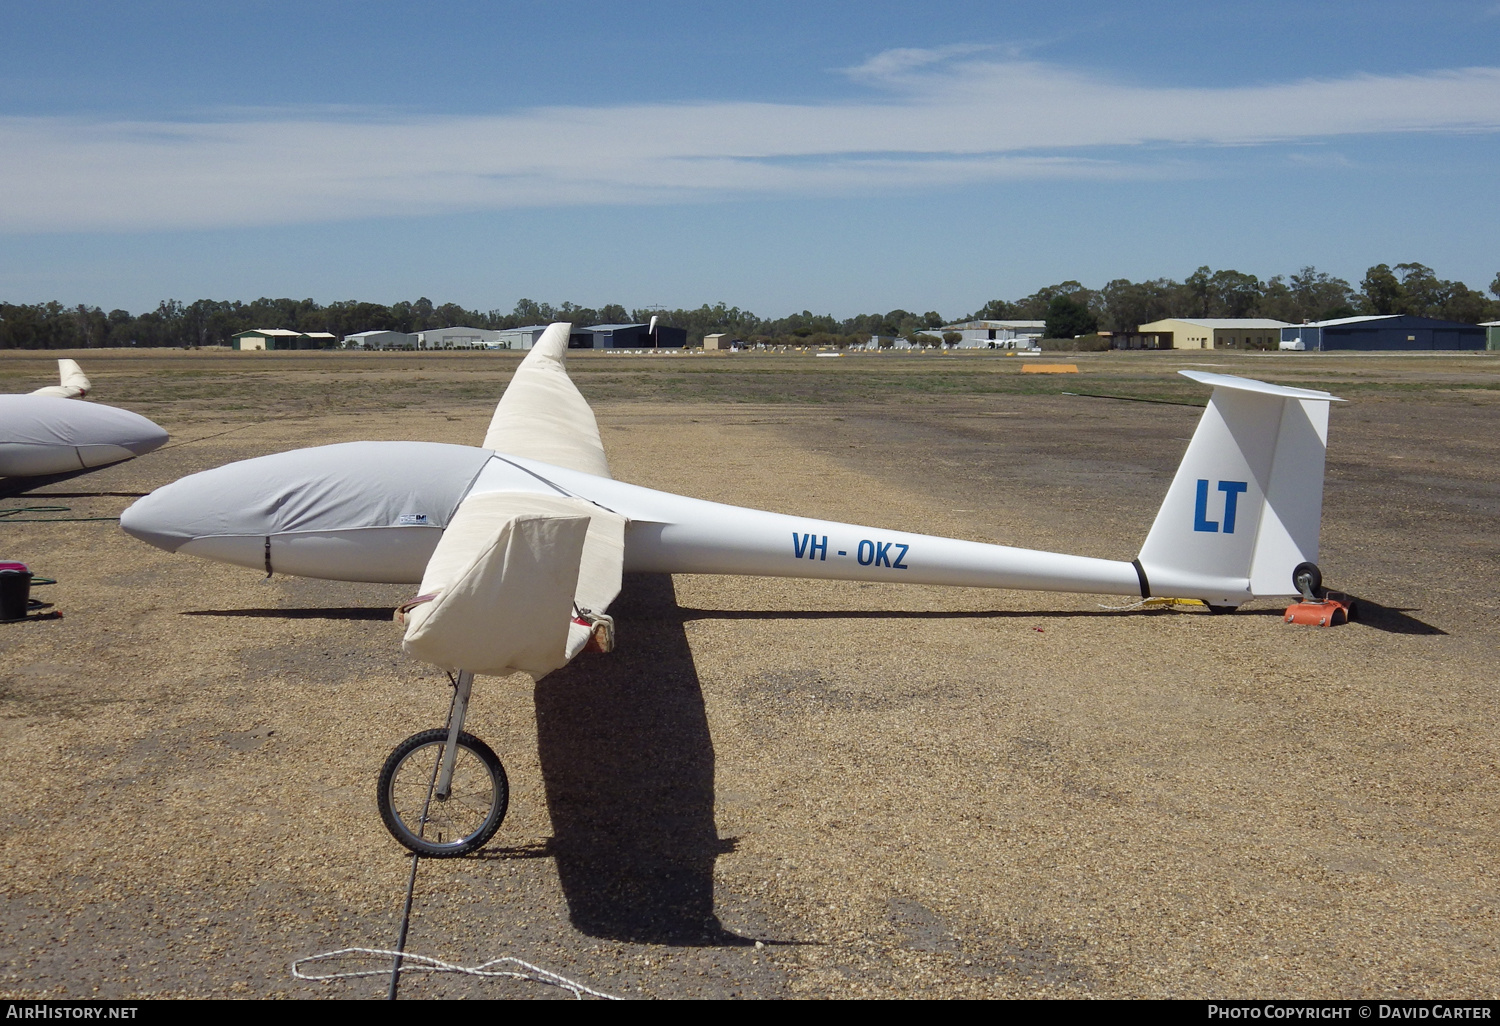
x=48 y=432
x=518 y=547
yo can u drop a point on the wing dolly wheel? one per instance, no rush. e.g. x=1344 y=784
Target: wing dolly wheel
x=443 y=793
x=443 y=828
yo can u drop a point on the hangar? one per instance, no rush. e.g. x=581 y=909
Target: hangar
x=457 y=337
x=381 y=340
x=1383 y=331
x=994 y=334
x=1209 y=333
x=264 y=338
x=519 y=338
x=627 y=336
x=281 y=338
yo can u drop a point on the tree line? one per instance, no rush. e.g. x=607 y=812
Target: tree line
x=1069 y=308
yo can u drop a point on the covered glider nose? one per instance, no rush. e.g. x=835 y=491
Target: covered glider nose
x=358 y=511
x=47 y=434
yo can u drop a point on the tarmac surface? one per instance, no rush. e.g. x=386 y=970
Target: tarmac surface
x=780 y=788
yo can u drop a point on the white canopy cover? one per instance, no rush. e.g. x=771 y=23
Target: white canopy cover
x=327 y=488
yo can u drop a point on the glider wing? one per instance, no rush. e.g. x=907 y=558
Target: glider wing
x=543 y=416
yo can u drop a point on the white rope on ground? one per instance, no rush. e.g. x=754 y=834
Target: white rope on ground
x=423 y=964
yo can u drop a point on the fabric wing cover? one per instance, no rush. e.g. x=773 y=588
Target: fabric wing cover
x=505 y=577
x=543 y=416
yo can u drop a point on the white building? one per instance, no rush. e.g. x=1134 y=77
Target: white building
x=381 y=340
x=519 y=338
x=1008 y=334
x=457 y=338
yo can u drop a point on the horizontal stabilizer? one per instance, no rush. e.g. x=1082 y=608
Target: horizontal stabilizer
x=1263 y=387
x=542 y=415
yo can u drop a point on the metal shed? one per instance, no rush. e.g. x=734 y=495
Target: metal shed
x=457 y=337
x=629 y=336
x=264 y=338
x=994 y=334
x=1491 y=334
x=1207 y=333
x=381 y=340
x=1383 y=332
x=519 y=338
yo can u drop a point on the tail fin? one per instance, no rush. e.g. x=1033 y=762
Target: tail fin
x=1247 y=502
x=74 y=385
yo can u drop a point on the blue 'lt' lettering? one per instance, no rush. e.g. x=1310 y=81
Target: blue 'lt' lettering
x=1200 y=511
x=1232 y=491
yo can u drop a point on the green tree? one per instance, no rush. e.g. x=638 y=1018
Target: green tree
x=1423 y=291
x=1234 y=293
x=1382 y=291
x=1035 y=306
x=1069 y=317
x=1200 y=291
x=1000 y=310
x=1127 y=305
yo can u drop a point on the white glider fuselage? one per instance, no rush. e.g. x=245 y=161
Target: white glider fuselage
x=675 y=534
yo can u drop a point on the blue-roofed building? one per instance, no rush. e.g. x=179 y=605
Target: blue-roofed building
x=628 y=336
x=1383 y=331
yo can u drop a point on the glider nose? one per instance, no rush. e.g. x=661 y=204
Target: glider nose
x=161 y=518
x=146 y=436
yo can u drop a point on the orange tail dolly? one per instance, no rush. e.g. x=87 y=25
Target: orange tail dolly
x=1328 y=613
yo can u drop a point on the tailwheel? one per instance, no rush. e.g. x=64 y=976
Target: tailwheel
x=1308 y=580
x=429 y=821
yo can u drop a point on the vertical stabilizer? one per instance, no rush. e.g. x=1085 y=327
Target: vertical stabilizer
x=1247 y=502
x=73 y=383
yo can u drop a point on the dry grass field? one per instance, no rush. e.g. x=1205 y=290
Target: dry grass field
x=780 y=788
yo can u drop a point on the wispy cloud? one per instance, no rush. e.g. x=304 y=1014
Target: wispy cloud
x=943 y=117
x=893 y=66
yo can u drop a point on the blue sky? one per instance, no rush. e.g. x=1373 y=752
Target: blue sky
x=838 y=157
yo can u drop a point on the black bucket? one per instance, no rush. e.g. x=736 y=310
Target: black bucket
x=15 y=594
